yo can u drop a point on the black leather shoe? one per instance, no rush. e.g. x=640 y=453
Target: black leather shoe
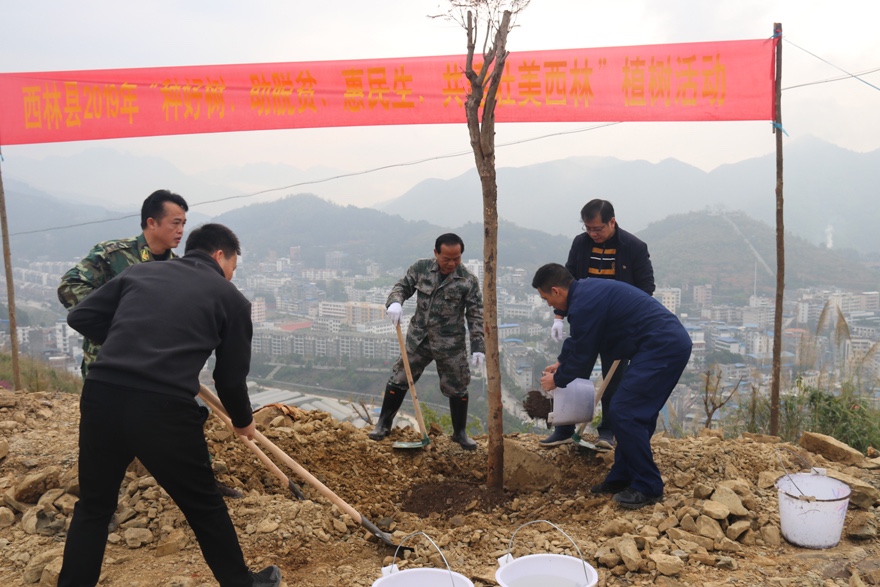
x=268 y=577
x=609 y=487
x=632 y=499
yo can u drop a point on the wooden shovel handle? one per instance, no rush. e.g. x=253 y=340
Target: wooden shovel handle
x=605 y=381
x=409 y=379
x=217 y=406
x=207 y=396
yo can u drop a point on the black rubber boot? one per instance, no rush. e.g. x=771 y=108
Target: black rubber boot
x=458 y=409
x=390 y=404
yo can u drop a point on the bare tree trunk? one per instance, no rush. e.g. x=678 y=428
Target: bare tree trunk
x=482 y=138
x=10 y=289
x=780 y=243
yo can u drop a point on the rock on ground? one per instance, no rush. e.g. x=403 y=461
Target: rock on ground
x=718 y=524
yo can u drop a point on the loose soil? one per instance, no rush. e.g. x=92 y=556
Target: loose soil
x=438 y=491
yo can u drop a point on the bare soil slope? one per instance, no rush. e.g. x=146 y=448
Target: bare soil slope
x=718 y=525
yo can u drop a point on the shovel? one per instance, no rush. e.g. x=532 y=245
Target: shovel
x=285 y=480
x=425 y=441
x=576 y=437
x=213 y=401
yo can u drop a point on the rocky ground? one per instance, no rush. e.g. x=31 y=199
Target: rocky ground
x=718 y=525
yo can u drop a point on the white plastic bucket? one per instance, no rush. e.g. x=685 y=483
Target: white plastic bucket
x=394 y=577
x=545 y=570
x=573 y=403
x=422 y=578
x=812 y=509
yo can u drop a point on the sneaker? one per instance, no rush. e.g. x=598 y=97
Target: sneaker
x=633 y=499
x=268 y=577
x=609 y=487
x=561 y=435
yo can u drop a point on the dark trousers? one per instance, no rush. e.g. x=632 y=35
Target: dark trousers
x=649 y=380
x=165 y=433
x=455 y=375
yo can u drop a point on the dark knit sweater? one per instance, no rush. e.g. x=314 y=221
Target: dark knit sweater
x=158 y=324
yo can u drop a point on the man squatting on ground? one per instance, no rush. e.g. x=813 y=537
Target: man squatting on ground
x=603 y=251
x=622 y=322
x=448 y=295
x=138 y=399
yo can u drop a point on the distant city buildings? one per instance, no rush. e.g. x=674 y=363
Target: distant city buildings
x=302 y=313
x=670 y=297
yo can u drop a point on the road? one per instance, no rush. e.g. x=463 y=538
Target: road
x=512 y=404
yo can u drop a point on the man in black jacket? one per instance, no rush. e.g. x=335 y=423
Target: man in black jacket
x=603 y=251
x=158 y=324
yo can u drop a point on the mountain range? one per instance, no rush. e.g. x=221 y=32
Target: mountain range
x=714 y=241
x=830 y=193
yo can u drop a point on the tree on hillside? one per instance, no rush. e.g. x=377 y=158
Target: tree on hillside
x=487 y=22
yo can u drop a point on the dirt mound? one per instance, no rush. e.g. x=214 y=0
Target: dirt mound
x=718 y=525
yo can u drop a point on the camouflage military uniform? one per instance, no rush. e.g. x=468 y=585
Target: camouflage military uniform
x=104 y=262
x=437 y=330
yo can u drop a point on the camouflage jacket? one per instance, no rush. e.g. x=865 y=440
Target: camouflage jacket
x=442 y=308
x=104 y=262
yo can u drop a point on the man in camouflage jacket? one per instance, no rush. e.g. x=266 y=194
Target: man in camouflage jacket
x=163 y=216
x=447 y=297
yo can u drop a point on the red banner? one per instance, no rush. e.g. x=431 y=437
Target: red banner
x=730 y=80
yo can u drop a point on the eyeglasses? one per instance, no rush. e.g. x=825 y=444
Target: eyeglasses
x=594 y=229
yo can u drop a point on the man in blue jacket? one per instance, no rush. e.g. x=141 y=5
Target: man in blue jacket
x=603 y=251
x=158 y=323
x=621 y=322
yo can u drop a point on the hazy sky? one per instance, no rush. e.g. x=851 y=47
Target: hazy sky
x=97 y=34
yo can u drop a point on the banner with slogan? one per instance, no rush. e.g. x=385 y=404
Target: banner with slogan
x=728 y=80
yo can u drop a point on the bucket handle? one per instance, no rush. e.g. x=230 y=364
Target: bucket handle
x=814 y=470
x=508 y=557
x=407 y=537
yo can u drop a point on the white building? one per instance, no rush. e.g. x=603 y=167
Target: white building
x=258 y=310
x=670 y=297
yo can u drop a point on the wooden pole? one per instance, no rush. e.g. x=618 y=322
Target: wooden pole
x=780 y=242
x=10 y=289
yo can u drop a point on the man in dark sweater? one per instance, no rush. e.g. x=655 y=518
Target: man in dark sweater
x=158 y=323
x=603 y=251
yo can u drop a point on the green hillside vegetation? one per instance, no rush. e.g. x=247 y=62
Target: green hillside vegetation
x=37 y=375
x=704 y=248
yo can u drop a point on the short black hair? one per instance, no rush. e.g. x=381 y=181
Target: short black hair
x=212 y=237
x=154 y=205
x=552 y=275
x=602 y=208
x=449 y=239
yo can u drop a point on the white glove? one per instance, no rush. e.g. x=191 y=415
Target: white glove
x=394 y=312
x=557 y=331
x=477 y=359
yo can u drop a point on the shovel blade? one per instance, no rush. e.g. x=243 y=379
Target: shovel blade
x=590 y=446
x=425 y=441
x=383 y=537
